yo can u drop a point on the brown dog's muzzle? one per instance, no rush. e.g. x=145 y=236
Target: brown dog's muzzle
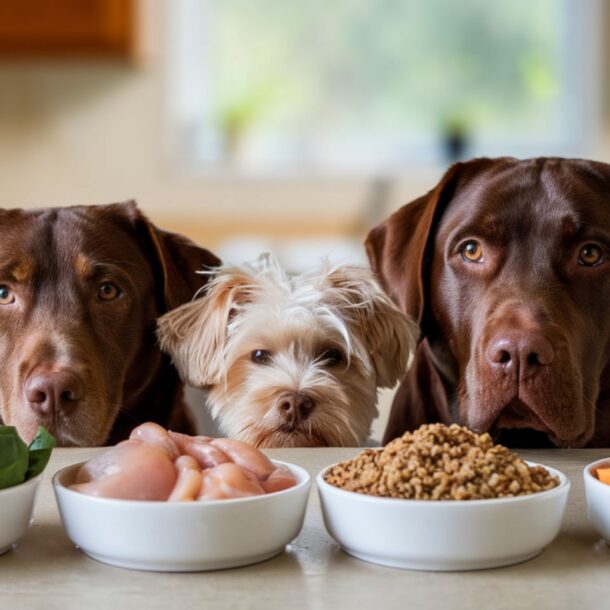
x=523 y=377
x=516 y=358
x=52 y=393
x=57 y=384
x=519 y=353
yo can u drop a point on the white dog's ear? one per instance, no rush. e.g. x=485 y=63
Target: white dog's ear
x=195 y=334
x=389 y=334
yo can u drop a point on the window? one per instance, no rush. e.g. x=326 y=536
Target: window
x=380 y=85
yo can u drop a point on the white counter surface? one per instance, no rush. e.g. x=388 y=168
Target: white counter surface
x=46 y=571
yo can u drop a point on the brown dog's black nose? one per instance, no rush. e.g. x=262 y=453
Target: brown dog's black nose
x=52 y=391
x=520 y=351
x=295 y=406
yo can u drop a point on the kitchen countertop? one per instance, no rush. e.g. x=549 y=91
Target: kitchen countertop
x=46 y=571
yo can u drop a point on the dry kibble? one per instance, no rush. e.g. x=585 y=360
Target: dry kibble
x=439 y=462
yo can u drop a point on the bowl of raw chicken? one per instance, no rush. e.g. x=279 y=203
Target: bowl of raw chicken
x=171 y=502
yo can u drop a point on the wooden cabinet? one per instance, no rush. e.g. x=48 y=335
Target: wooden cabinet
x=67 y=28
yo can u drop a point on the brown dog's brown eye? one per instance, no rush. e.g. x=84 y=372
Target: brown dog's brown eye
x=6 y=295
x=590 y=255
x=260 y=356
x=108 y=291
x=332 y=357
x=472 y=251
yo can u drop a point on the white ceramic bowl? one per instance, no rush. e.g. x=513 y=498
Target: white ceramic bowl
x=598 y=499
x=16 y=508
x=182 y=537
x=443 y=535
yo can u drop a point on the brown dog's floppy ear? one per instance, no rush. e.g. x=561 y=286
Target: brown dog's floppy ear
x=195 y=334
x=399 y=248
x=175 y=259
x=389 y=335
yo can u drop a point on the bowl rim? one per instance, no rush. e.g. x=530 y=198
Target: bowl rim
x=302 y=474
x=30 y=482
x=564 y=486
x=588 y=475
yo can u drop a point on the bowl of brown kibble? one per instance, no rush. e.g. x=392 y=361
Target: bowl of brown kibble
x=442 y=498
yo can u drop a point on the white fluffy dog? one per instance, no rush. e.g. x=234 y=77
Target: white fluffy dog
x=290 y=361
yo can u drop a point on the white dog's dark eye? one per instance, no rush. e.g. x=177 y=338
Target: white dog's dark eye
x=261 y=356
x=331 y=357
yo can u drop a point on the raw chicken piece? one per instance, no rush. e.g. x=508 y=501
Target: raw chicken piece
x=188 y=485
x=200 y=448
x=179 y=437
x=228 y=481
x=155 y=435
x=132 y=470
x=280 y=478
x=155 y=464
x=246 y=456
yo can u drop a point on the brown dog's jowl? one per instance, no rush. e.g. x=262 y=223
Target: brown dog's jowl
x=506 y=265
x=80 y=290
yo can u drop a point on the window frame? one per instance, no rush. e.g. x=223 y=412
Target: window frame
x=189 y=19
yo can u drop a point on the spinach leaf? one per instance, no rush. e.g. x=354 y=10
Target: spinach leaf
x=14 y=457
x=40 y=452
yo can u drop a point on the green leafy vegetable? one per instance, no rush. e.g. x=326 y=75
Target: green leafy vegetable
x=40 y=452
x=18 y=462
x=14 y=457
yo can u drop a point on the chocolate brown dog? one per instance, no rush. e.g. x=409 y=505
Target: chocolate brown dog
x=80 y=290
x=506 y=265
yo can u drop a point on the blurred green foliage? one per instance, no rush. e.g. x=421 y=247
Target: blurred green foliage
x=382 y=66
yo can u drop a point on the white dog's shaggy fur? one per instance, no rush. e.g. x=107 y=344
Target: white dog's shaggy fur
x=290 y=361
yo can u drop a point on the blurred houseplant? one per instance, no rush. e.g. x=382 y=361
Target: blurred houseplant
x=236 y=118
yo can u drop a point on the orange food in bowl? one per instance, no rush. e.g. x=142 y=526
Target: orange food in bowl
x=603 y=474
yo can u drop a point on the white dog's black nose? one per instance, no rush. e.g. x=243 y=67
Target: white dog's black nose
x=295 y=406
